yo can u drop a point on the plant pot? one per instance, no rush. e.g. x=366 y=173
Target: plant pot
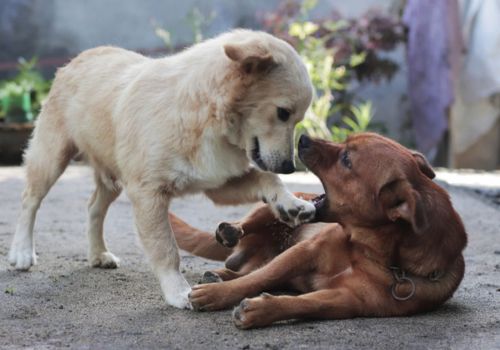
x=13 y=140
x=17 y=108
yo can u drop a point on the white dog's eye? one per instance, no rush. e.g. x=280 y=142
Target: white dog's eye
x=283 y=114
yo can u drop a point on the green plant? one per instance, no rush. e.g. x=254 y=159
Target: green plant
x=197 y=21
x=362 y=115
x=339 y=54
x=329 y=79
x=22 y=96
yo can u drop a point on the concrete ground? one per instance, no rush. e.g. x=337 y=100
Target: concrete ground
x=62 y=303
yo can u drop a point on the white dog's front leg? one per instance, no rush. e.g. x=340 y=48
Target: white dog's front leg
x=151 y=217
x=257 y=185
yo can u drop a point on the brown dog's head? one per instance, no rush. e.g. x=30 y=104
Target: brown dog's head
x=272 y=94
x=369 y=180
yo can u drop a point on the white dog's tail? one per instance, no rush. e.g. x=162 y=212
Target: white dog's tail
x=197 y=242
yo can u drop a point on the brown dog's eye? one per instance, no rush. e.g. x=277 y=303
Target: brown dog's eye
x=283 y=114
x=345 y=160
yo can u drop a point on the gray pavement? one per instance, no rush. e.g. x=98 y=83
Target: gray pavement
x=62 y=303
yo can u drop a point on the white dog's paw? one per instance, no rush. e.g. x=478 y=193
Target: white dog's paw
x=104 y=260
x=294 y=211
x=22 y=258
x=176 y=290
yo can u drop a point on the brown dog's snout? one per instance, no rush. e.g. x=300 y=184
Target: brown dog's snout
x=304 y=142
x=317 y=152
x=307 y=150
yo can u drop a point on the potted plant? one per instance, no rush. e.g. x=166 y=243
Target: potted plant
x=20 y=102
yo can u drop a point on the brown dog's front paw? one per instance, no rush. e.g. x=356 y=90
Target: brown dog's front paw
x=210 y=277
x=254 y=312
x=228 y=234
x=211 y=297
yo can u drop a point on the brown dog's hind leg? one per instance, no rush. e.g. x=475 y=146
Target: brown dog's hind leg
x=324 y=304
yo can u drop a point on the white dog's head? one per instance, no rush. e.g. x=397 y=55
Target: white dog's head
x=273 y=95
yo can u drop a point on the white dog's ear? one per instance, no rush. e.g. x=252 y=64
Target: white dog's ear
x=251 y=56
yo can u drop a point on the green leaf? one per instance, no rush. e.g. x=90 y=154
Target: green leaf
x=351 y=123
x=302 y=30
x=333 y=26
x=357 y=58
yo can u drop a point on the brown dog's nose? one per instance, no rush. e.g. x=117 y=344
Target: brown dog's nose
x=287 y=167
x=304 y=142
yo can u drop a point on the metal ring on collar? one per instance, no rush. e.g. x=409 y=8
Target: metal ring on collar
x=403 y=280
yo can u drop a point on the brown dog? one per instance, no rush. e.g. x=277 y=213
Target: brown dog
x=390 y=242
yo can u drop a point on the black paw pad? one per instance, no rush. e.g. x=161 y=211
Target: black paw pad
x=283 y=214
x=305 y=216
x=228 y=235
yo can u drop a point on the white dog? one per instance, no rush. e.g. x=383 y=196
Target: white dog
x=161 y=128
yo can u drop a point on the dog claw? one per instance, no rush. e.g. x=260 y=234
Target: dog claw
x=244 y=304
x=265 y=295
x=237 y=314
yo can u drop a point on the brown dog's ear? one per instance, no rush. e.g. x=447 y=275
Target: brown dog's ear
x=423 y=164
x=251 y=56
x=401 y=202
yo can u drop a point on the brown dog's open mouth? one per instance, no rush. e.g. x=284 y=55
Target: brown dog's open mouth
x=320 y=205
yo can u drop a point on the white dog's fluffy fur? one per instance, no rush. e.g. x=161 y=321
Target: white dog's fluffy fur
x=164 y=127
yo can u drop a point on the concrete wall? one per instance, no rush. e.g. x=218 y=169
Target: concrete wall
x=54 y=27
x=45 y=27
x=49 y=28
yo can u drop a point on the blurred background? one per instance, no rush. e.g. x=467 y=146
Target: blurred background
x=424 y=72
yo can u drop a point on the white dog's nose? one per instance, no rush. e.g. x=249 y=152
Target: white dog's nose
x=287 y=167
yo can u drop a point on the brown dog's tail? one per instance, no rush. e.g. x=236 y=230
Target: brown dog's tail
x=197 y=242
